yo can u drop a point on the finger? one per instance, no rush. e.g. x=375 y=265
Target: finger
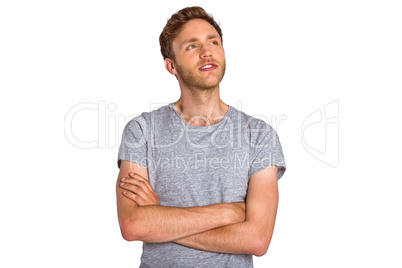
x=134 y=188
x=140 y=197
x=128 y=186
x=141 y=178
x=142 y=182
x=137 y=183
x=132 y=196
x=142 y=191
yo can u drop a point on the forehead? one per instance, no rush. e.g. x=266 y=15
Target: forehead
x=194 y=29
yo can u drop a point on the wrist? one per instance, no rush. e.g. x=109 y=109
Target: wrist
x=234 y=212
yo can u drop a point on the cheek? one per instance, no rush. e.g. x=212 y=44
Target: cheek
x=189 y=58
x=220 y=53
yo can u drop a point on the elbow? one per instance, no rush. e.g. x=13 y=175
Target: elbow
x=260 y=246
x=128 y=236
x=128 y=231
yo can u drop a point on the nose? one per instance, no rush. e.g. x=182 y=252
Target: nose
x=205 y=52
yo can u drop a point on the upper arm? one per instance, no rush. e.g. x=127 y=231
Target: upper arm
x=125 y=206
x=262 y=202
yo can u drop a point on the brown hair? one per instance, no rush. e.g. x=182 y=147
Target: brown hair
x=174 y=24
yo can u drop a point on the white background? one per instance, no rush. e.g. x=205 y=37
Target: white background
x=284 y=58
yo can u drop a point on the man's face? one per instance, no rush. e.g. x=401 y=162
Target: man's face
x=199 y=56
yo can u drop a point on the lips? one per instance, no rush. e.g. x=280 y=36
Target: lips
x=209 y=66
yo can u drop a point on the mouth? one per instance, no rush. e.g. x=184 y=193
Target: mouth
x=209 y=66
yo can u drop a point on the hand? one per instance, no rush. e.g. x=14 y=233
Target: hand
x=240 y=211
x=139 y=190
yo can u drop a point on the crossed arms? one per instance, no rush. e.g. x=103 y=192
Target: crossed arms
x=238 y=228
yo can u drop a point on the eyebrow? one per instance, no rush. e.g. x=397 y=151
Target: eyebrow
x=193 y=39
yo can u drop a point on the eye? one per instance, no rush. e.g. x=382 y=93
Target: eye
x=190 y=47
x=214 y=43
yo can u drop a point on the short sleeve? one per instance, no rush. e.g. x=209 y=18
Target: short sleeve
x=266 y=149
x=133 y=145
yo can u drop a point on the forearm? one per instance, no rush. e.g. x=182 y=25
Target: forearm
x=252 y=236
x=240 y=238
x=157 y=223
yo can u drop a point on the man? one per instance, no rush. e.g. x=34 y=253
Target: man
x=198 y=178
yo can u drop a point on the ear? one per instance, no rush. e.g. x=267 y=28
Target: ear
x=169 y=65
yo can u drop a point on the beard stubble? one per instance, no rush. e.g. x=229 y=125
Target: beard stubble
x=197 y=82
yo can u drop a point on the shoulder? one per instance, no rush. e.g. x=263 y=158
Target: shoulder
x=249 y=122
x=258 y=133
x=147 y=119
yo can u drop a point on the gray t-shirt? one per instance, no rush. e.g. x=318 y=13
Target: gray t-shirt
x=198 y=166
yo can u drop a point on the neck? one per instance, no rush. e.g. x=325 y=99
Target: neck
x=201 y=107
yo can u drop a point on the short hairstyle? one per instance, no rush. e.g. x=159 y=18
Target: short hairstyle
x=176 y=21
